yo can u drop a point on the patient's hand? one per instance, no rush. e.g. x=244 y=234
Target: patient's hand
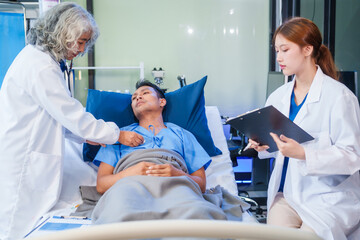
x=138 y=169
x=130 y=138
x=168 y=170
x=106 y=178
x=163 y=170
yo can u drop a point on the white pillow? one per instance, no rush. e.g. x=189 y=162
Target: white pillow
x=220 y=172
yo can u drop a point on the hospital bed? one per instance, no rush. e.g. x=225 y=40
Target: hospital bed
x=220 y=172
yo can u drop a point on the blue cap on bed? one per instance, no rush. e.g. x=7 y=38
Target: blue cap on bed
x=185 y=107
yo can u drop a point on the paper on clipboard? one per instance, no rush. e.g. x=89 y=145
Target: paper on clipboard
x=58 y=223
x=258 y=124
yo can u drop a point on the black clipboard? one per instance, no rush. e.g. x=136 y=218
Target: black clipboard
x=258 y=124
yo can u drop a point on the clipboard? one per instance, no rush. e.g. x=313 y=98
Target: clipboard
x=258 y=124
x=52 y=224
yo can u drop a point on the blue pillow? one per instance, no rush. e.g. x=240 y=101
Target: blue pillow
x=185 y=107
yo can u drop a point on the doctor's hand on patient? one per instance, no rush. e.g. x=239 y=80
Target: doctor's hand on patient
x=130 y=138
x=95 y=143
x=289 y=147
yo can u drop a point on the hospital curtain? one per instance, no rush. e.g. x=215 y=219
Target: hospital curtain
x=12 y=39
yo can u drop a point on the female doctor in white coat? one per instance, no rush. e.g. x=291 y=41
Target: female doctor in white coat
x=37 y=111
x=314 y=186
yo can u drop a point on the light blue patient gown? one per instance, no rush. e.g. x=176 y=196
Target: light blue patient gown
x=142 y=197
x=172 y=138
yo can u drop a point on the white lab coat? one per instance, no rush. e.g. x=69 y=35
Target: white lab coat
x=35 y=109
x=324 y=189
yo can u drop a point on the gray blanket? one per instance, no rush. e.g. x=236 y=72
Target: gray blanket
x=147 y=197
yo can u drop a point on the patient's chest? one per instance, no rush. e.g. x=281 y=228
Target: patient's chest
x=166 y=139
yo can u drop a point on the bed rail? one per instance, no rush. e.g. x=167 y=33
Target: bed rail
x=140 y=67
x=181 y=228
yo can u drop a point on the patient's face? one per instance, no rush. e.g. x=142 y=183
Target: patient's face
x=145 y=101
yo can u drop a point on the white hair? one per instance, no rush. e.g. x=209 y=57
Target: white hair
x=60 y=27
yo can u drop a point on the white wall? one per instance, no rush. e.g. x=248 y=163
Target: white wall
x=229 y=42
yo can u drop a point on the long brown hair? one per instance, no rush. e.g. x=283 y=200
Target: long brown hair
x=304 y=32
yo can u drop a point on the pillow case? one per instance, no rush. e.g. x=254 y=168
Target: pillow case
x=185 y=107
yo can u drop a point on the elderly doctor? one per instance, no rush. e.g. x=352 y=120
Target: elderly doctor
x=37 y=111
x=314 y=186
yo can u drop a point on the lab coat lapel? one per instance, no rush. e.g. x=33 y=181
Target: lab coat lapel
x=285 y=108
x=313 y=96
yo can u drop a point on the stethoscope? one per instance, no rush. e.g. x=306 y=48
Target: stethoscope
x=66 y=71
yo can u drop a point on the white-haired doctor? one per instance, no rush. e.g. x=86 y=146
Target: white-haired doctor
x=37 y=112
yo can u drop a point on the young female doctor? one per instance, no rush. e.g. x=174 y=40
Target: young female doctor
x=314 y=186
x=37 y=111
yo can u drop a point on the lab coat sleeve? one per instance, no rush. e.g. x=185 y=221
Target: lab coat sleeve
x=69 y=135
x=266 y=154
x=338 y=152
x=49 y=90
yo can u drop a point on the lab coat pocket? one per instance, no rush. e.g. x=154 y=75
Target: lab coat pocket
x=321 y=140
x=43 y=172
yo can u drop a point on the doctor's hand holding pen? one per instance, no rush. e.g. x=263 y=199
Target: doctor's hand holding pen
x=287 y=146
x=256 y=146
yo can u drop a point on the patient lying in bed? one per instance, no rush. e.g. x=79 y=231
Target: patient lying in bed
x=163 y=178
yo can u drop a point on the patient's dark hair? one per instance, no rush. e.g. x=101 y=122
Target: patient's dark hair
x=160 y=92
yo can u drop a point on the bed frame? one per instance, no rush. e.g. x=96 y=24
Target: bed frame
x=183 y=229
x=77 y=172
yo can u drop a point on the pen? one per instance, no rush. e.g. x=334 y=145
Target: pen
x=74 y=217
x=37 y=226
x=247 y=147
x=71 y=217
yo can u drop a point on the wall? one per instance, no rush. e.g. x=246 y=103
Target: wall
x=224 y=39
x=347 y=36
x=347 y=31
x=313 y=10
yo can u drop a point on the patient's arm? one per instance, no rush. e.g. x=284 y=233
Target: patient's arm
x=168 y=170
x=106 y=178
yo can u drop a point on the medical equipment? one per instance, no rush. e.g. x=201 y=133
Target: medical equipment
x=68 y=75
x=182 y=80
x=77 y=172
x=158 y=76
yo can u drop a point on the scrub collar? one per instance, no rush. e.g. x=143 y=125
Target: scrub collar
x=157 y=140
